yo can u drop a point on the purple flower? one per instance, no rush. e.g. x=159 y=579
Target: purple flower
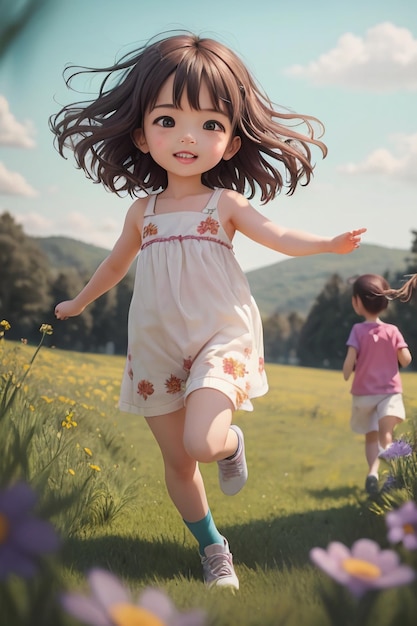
x=111 y=605
x=362 y=568
x=396 y=449
x=402 y=525
x=23 y=538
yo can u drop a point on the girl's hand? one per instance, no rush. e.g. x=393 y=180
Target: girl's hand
x=343 y=244
x=66 y=309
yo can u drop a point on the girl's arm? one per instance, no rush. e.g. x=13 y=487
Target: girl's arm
x=404 y=357
x=349 y=364
x=112 y=269
x=238 y=214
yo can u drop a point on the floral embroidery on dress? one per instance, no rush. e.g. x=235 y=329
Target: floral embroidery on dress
x=261 y=367
x=145 y=389
x=241 y=397
x=235 y=368
x=208 y=225
x=187 y=363
x=174 y=384
x=129 y=366
x=248 y=353
x=150 y=229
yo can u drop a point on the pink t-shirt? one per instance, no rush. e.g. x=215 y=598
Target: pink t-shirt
x=376 y=369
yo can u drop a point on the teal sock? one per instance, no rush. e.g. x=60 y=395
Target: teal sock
x=205 y=532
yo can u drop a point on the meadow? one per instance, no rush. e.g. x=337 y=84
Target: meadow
x=100 y=480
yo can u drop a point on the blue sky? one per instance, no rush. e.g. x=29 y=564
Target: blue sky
x=353 y=65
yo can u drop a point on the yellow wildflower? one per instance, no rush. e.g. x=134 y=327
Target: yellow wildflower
x=46 y=329
x=88 y=451
x=5 y=324
x=72 y=472
x=96 y=468
x=68 y=422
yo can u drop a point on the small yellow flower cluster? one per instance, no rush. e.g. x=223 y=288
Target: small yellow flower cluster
x=68 y=422
x=46 y=329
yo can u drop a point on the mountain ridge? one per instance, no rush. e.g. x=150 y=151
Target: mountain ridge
x=288 y=285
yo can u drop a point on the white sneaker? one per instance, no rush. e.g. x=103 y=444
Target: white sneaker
x=218 y=570
x=233 y=473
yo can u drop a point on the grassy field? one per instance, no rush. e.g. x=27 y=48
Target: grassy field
x=305 y=489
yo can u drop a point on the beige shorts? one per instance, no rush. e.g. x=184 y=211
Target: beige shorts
x=368 y=410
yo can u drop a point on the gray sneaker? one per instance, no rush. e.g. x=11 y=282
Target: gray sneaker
x=218 y=570
x=233 y=473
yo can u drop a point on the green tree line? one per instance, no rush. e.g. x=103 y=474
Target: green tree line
x=30 y=287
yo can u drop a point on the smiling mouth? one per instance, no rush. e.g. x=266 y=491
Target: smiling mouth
x=185 y=155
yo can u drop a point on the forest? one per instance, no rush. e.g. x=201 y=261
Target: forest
x=31 y=285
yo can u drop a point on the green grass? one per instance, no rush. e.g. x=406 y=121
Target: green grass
x=305 y=489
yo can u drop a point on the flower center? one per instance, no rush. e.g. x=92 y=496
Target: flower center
x=361 y=569
x=408 y=529
x=131 y=615
x=4 y=528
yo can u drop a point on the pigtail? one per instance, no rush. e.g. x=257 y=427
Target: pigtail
x=405 y=292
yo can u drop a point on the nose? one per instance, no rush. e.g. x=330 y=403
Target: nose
x=188 y=138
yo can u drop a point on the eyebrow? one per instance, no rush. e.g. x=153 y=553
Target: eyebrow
x=172 y=106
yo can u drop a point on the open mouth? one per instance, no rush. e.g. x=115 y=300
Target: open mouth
x=185 y=155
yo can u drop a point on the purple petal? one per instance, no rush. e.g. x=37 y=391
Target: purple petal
x=410 y=541
x=17 y=500
x=34 y=536
x=158 y=603
x=86 y=610
x=14 y=562
x=402 y=575
x=388 y=560
x=191 y=618
x=329 y=565
x=107 y=588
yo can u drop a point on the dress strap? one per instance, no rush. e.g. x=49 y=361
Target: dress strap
x=150 y=207
x=211 y=205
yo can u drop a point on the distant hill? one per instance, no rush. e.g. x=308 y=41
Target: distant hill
x=64 y=252
x=293 y=284
x=290 y=285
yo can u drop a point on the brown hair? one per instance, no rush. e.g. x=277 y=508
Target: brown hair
x=99 y=131
x=405 y=292
x=371 y=289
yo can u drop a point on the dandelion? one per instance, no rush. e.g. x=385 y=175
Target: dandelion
x=88 y=451
x=362 y=568
x=23 y=538
x=402 y=525
x=68 y=422
x=71 y=471
x=110 y=604
x=96 y=468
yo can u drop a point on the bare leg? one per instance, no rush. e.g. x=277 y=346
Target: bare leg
x=207 y=434
x=386 y=429
x=371 y=452
x=182 y=475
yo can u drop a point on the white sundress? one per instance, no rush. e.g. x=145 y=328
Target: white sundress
x=192 y=320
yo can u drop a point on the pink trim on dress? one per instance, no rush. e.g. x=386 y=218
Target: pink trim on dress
x=183 y=237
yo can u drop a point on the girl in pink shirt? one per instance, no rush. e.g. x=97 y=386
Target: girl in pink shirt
x=375 y=351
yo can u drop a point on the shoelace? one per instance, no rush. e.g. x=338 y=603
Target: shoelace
x=219 y=565
x=230 y=469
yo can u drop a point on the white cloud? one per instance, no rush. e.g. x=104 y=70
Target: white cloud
x=13 y=184
x=400 y=163
x=385 y=59
x=12 y=132
x=35 y=224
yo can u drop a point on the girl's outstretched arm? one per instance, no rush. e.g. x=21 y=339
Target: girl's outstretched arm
x=238 y=214
x=112 y=269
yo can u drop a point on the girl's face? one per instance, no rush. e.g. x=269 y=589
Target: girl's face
x=185 y=141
